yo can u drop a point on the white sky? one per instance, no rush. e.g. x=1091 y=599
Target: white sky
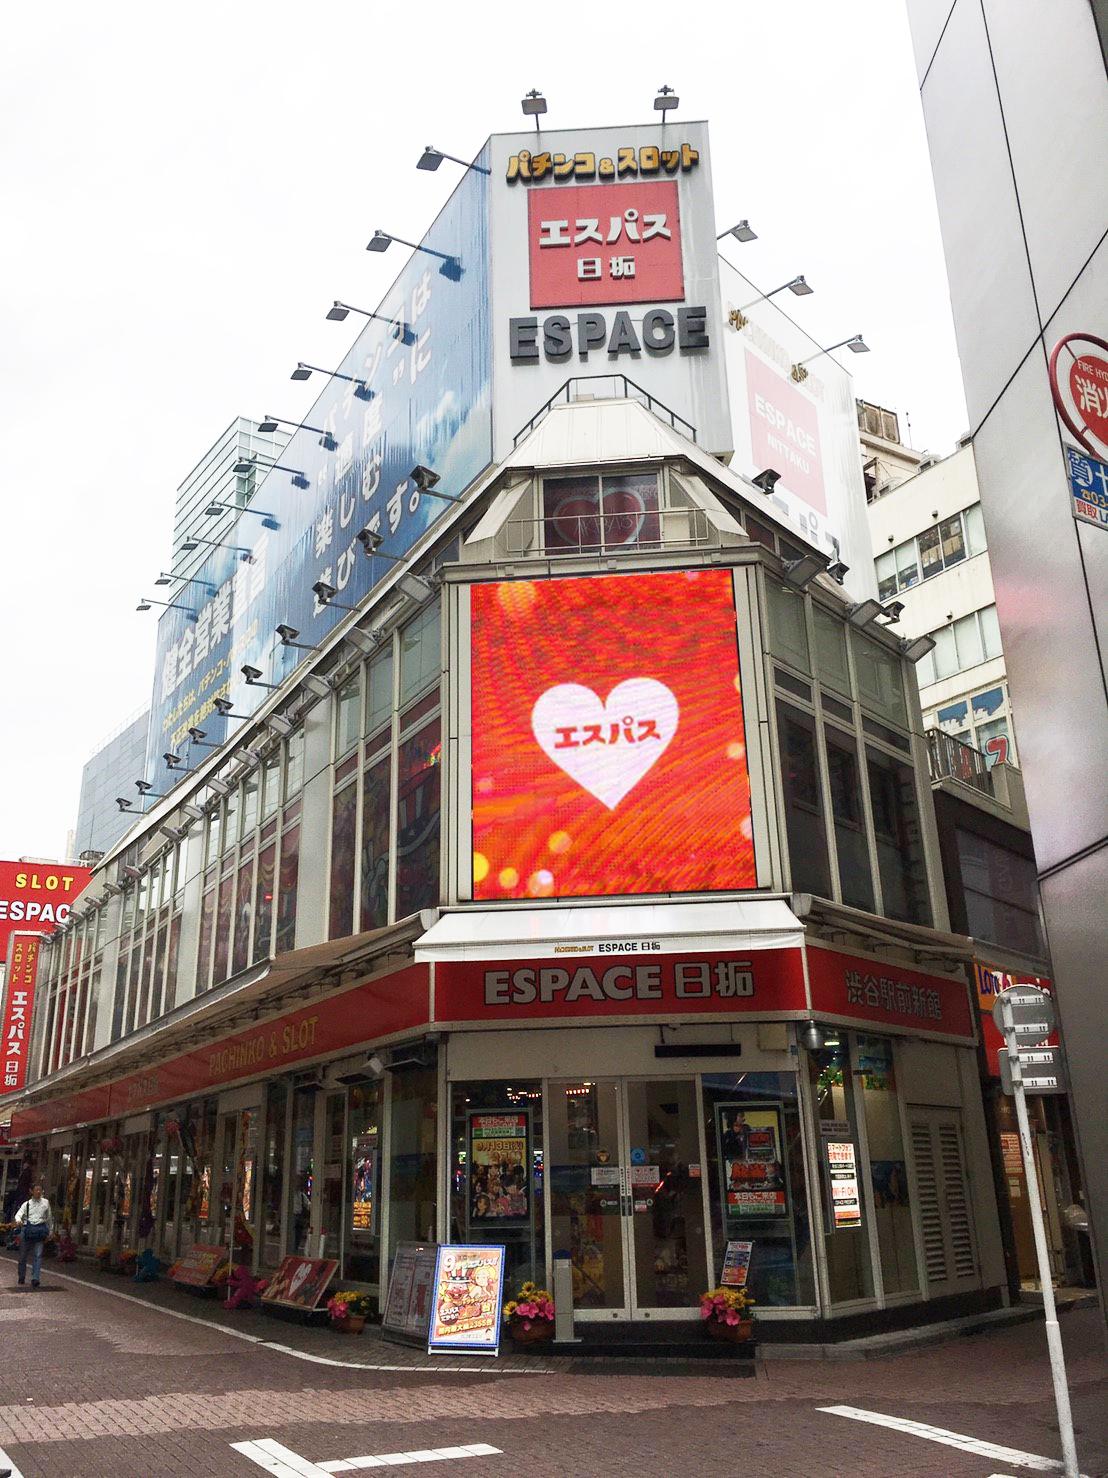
x=185 y=190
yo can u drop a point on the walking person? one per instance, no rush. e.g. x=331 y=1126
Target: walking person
x=35 y=1219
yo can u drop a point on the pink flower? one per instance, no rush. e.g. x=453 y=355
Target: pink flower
x=730 y=1317
x=705 y=1310
x=527 y=1324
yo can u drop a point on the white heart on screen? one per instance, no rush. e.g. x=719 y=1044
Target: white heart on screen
x=640 y=713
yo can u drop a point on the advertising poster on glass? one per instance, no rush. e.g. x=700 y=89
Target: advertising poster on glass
x=363 y=1185
x=736 y=1264
x=499 y=1156
x=468 y=1292
x=842 y=1169
x=751 y=1156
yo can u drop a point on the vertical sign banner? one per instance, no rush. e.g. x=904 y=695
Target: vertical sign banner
x=468 y=1292
x=609 y=752
x=38 y=896
x=751 y=1163
x=499 y=1181
x=364 y=1185
x=413 y=390
x=846 y=1203
x=19 y=1000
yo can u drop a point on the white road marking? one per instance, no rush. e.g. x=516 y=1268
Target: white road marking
x=1010 y=1455
x=268 y=1344
x=282 y=1462
x=7 y=1462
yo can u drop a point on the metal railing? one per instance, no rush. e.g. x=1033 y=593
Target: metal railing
x=621 y=388
x=951 y=759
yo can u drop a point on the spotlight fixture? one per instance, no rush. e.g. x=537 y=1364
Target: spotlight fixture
x=533 y=105
x=146 y=788
x=917 y=648
x=167 y=577
x=801 y=572
x=741 y=232
x=856 y=344
x=172 y=761
x=796 y=285
x=213 y=510
x=371 y=543
x=812 y=1036
x=194 y=813
x=431 y=158
x=198 y=736
x=133 y=873
x=219 y=786
x=194 y=541
x=123 y=803
x=864 y=612
x=224 y=707
x=415 y=587
x=891 y=611
x=326 y=440
x=766 y=481
x=171 y=605
x=400 y=329
x=318 y=686
x=426 y=480
x=245 y=465
x=365 y=642
x=325 y=596
x=277 y=724
x=174 y=833
x=837 y=570
x=306 y=371
x=253 y=676
x=382 y=240
x=666 y=101
x=113 y=890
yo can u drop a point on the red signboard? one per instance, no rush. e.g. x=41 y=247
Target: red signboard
x=784 y=432
x=883 y=994
x=37 y=896
x=19 y=1000
x=199 y=1265
x=378 y=1008
x=764 y=982
x=1079 y=387
x=609 y=751
x=592 y=244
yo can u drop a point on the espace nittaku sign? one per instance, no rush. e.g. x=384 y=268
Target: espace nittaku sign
x=766 y=982
x=37 y=896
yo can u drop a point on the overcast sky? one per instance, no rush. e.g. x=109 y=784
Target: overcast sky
x=185 y=190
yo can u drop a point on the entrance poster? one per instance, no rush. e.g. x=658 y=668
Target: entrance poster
x=751 y=1158
x=499 y=1183
x=468 y=1291
x=736 y=1264
x=846 y=1204
x=199 y=1265
x=300 y=1282
x=408 y=1303
x=364 y=1184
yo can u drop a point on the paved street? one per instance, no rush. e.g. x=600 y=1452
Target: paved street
x=101 y=1384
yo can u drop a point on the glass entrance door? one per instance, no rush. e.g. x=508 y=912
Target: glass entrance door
x=237 y=1163
x=626 y=1195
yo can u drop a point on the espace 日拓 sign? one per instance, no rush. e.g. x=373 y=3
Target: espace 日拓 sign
x=37 y=896
x=764 y=982
x=604 y=261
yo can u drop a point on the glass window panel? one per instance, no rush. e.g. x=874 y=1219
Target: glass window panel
x=885 y=565
x=379 y=697
x=273 y=1169
x=629 y=503
x=907 y=568
x=788 y=631
x=286 y=890
x=417 y=837
x=831 y=660
x=844 y=780
x=845 y=1243
x=224 y=910
x=361 y=1211
x=230 y=821
x=571 y=513
x=996 y=728
x=975 y=529
x=899 y=839
x=954 y=545
x=263 y=901
x=344 y=826
x=244 y=910
x=271 y=783
x=376 y=814
x=930 y=552
x=944 y=658
x=120 y=998
x=1001 y=892
x=420 y=657
x=171 y=964
x=249 y=805
x=294 y=763
x=967 y=640
x=348 y=715
x=207 y=931
x=990 y=632
x=804 y=822
x=133 y=989
x=875 y=1079
x=880 y=681
x=215 y=835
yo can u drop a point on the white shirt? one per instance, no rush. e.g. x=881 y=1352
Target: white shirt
x=32 y=1211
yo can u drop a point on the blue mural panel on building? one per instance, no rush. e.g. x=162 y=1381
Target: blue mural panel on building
x=424 y=397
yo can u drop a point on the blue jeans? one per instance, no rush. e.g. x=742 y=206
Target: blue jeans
x=35 y=1249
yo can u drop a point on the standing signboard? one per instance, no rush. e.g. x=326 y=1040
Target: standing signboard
x=407 y=1313
x=299 y=1282
x=467 y=1295
x=198 y=1266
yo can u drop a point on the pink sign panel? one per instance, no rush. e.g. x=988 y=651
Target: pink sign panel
x=784 y=432
x=590 y=244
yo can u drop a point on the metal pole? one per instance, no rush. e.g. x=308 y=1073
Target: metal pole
x=1053 y=1333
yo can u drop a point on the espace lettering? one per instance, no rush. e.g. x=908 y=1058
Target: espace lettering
x=692 y=980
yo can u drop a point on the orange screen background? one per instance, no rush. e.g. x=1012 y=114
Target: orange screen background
x=673 y=743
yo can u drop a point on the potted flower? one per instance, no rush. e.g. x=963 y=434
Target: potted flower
x=104 y=1257
x=127 y=1260
x=349 y=1311
x=530 y=1317
x=726 y=1315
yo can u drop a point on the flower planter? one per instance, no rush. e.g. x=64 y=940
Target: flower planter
x=540 y=1331
x=735 y=1334
x=352 y=1324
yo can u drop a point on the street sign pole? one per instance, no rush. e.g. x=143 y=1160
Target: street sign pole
x=1053 y=1333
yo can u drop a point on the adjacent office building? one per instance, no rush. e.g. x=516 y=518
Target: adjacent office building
x=111 y=772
